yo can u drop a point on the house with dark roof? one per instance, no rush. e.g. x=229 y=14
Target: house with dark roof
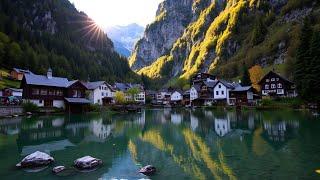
x=124 y=87
x=100 y=92
x=241 y=95
x=202 y=77
x=50 y=91
x=275 y=85
x=17 y=74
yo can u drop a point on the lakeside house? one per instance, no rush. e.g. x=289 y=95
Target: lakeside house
x=100 y=92
x=50 y=91
x=275 y=85
x=176 y=97
x=124 y=87
x=17 y=74
x=164 y=96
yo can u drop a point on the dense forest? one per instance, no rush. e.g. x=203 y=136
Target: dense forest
x=36 y=34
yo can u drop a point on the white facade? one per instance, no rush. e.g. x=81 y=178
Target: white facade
x=222 y=126
x=176 y=96
x=193 y=94
x=221 y=92
x=17 y=93
x=141 y=97
x=96 y=96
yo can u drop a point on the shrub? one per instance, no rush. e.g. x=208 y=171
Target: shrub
x=30 y=107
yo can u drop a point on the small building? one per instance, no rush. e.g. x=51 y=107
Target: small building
x=75 y=97
x=100 y=92
x=275 y=85
x=164 y=96
x=151 y=96
x=124 y=87
x=241 y=95
x=202 y=77
x=17 y=74
x=12 y=92
x=176 y=97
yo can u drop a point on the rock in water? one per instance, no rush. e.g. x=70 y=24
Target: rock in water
x=87 y=162
x=148 y=170
x=58 y=169
x=36 y=159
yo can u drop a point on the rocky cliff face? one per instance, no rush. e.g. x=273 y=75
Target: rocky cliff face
x=219 y=36
x=172 y=18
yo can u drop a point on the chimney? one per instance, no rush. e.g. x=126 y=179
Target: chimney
x=49 y=73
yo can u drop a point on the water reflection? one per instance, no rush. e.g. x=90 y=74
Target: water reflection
x=186 y=144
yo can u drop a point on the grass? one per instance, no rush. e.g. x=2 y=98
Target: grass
x=6 y=82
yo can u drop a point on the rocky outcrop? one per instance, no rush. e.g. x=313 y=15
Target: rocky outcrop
x=36 y=159
x=87 y=162
x=171 y=19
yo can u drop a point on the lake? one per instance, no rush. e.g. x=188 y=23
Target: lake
x=182 y=144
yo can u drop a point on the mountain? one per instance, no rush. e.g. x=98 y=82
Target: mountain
x=36 y=35
x=125 y=37
x=222 y=36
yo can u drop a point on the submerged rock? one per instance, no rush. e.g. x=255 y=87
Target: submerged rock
x=87 y=162
x=36 y=159
x=58 y=169
x=148 y=170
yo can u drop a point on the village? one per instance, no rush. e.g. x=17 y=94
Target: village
x=74 y=96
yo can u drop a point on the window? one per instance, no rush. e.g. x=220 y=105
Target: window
x=35 y=91
x=217 y=92
x=279 y=85
x=273 y=79
x=222 y=92
x=277 y=79
x=273 y=86
x=44 y=92
x=100 y=87
x=219 y=85
x=51 y=92
x=267 y=80
x=74 y=93
x=266 y=86
x=280 y=91
x=40 y=101
x=102 y=94
x=59 y=93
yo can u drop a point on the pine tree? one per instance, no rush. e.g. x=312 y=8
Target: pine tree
x=259 y=31
x=301 y=66
x=245 y=80
x=314 y=67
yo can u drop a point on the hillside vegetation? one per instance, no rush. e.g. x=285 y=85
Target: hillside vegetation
x=36 y=35
x=226 y=35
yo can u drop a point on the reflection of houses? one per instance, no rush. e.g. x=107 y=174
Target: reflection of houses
x=176 y=118
x=222 y=126
x=194 y=122
x=100 y=130
x=10 y=126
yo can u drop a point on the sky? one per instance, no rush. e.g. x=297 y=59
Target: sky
x=108 y=13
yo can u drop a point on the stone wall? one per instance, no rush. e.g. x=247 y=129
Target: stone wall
x=10 y=110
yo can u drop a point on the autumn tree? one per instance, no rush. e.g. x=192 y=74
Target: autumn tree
x=256 y=75
x=133 y=91
x=120 y=97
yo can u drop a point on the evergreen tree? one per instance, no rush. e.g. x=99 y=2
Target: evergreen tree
x=259 y=31
x=245 y=80
x=301 y=66
x=314 y=67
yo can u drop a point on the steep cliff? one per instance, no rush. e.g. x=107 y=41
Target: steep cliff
x=225 y=34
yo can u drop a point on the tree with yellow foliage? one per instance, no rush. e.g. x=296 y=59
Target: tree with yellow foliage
x=256 y=74
x=120 y=97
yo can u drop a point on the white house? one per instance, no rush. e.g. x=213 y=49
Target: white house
x=98 y=91
x=222 y=91
x=193 y=93
x=124 y=87
x=176 y=96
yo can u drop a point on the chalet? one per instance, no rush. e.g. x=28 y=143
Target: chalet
x=49 y=91
x=176 y=97
x=202 y=77
x=273 y=84
x=164 y=96
x=100 y=92
x=202 y=93
x=17 y=74
x=241 y=95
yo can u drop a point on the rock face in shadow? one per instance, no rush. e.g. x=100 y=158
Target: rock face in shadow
x=36 y=159
x=87 y=162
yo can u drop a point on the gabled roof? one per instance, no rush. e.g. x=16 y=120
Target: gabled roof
x=272 y=72
x=41 y=80
x=241 y=88
x=93 y=85
x=22 y=70
x=197 y=87
x=121 y=86
x=211 y=84
x=227 y=84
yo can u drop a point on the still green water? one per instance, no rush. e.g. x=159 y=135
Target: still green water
x=182 y=144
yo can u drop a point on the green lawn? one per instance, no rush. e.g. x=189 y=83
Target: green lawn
x=5 y=81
